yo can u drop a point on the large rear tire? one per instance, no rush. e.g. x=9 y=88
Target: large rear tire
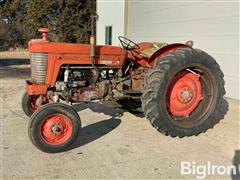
x=184 y=92
x=54 y=127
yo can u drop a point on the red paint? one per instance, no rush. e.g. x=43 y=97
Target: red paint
x=164 y=51
x=68 y=53
x=185 y=94
x=145 y=62
x=44 y=32
x=56 y=137
x=33 y=104
x=35 y=89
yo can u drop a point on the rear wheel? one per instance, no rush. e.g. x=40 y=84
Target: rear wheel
x=184 y=93
x=54 y=127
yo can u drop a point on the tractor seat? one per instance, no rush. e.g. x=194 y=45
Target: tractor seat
x=150 y=51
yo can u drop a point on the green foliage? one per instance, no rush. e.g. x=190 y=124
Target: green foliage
x=12 y=17
x=37 y=15
x=72 y=20
x=68 y=20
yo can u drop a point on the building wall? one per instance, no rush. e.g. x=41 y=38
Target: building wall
x=111 y=13
x=213 y=26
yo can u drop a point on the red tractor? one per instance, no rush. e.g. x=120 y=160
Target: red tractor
x=181 y=88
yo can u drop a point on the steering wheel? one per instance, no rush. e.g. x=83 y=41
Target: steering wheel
x=128 y=44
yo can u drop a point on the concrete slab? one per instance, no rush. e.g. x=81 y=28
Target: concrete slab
x=114 y=144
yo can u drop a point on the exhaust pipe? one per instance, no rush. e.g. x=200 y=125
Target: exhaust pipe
x=94 y=18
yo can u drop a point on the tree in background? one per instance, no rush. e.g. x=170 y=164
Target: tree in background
x=4 y=32
x=13 y=31
x=69 y=20
x=73 y=20
x=38 y=14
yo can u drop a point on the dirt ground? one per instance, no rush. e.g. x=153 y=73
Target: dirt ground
x=114 y=144
x=13 y=53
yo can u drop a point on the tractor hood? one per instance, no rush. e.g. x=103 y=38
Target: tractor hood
x=70 y=48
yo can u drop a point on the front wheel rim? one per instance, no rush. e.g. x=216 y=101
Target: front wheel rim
x=33 y=105
x=56 y=129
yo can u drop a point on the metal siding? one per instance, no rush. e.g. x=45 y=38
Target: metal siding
x=111 y=13
x=213 y=26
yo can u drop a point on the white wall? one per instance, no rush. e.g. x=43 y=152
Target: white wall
x=213 y=26
x=111 y=13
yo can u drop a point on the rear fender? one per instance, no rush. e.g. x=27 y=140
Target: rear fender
x=165 y=50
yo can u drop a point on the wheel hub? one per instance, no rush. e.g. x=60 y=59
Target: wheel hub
x=185 y=94
x=56 y=129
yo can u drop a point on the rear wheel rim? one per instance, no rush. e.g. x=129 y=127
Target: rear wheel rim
x=185 y=94
x=205 y=101
x=56 y=129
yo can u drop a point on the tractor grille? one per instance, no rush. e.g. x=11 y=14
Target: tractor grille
x=39 y=67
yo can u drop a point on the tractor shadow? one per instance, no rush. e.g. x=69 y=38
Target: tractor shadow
x=132 y=106
x=99 y=129
x=236 y=163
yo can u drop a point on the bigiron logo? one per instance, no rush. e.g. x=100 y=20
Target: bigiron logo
x=201 y=171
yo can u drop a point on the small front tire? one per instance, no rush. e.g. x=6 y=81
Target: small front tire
x=27 y=104
x=54 y=127
x=30 y=105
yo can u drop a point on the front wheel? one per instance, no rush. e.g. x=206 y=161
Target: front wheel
x=54 y=127
x=30 y=105
x=184 y=93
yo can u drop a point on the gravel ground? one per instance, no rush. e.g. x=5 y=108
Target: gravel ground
x=114 y=144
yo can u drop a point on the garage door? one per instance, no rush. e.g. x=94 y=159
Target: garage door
x=213 y=26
